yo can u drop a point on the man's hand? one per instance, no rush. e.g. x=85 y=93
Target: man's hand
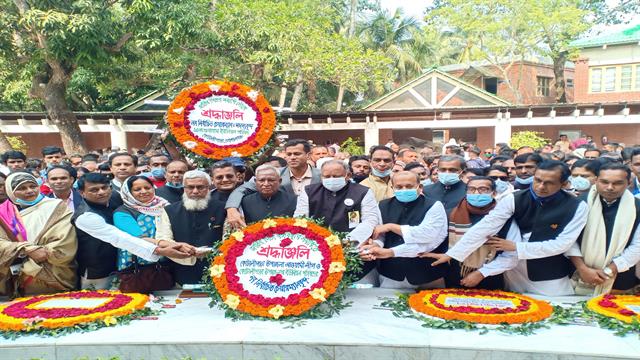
x=440 y=258
x=187 y=248
x=173 y=250
x=379 y=230
x=365 y=250
x=472 y=280
x=500 y=244
x=39 y=255
x=592 y=276
x=235 y=219
x=378 y=252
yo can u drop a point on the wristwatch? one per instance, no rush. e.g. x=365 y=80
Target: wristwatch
x=607 y=270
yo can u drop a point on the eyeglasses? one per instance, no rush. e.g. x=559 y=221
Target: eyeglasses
x=479 y=190
x=503 y=178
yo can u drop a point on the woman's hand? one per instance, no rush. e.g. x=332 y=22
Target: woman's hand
x=39 y=255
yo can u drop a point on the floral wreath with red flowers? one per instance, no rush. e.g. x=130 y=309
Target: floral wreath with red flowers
x=218 y=119
x=281 y=268
x=480 y=310
x=480 y=306
x=76 y=311
x=620 y=313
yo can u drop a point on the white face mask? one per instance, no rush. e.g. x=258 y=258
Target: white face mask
x=334 y=184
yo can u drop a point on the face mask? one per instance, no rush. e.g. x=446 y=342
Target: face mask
x=527 y=181
x=406 y=196
x=479 y=200
x=426 y=182
x=39 y=181
x=501 y=186
x=30 y=203
x=334 y=184
x=75 y=184
x=579 y=183
x=448 y=178
x=381 y=174
x=158 y=172
x=175 y=186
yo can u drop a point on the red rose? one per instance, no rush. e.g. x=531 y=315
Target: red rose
x=285 y=242
x=277 y=279
x=626 y=312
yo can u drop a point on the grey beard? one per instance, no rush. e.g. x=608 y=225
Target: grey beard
x=195 y=205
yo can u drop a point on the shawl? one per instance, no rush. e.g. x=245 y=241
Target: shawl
x=593 y=245
x=459 y=224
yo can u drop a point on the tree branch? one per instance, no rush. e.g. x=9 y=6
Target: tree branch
x=118 y=46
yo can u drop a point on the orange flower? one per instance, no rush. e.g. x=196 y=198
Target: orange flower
x=537 y=311
x=176 y=117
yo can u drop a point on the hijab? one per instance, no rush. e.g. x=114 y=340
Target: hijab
x=151 y=208
x=14 y=181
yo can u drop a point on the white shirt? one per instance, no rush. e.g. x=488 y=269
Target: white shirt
x=518 y=280
x=426 y=236
x=94 y=225
x=626 y=260
x=369 y=215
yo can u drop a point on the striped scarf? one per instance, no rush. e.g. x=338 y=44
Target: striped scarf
x=459 y=224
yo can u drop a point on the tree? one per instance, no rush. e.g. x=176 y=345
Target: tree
x=557 y=22
x=392 y=34
x=55 y=38
x=498 y=32
x=533 y=139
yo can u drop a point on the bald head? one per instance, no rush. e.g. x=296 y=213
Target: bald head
x=405 y=180
x=334 y=168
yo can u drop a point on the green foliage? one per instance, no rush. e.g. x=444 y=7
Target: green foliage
x=18 y=144
x=527 y=138
x=352 y=146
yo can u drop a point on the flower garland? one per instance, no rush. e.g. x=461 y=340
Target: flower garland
x=523 y=309
x=616 y=306
x=229 y=293
x=187 y=100
x=31 y=314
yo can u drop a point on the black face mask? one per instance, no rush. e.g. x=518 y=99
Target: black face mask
x=359 y=178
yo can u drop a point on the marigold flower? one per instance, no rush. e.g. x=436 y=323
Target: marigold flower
x=238 y=235
x=300 y=222
x=110 y=320
x=269 y=223
x=232 y=301
x=276 y=311
x=216 y=270
x=318 y=294
x=336 y=266
x=332 y=240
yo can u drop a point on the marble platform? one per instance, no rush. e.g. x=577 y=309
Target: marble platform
x=363 y=331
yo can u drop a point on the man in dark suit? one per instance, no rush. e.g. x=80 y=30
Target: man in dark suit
x=60 y=179
x=295 y=177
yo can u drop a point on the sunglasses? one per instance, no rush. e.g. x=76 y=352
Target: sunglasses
x=503 y=178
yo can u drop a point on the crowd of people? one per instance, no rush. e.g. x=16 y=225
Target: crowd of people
x=558 y=220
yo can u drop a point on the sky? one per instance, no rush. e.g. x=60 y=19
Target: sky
x=416 y=8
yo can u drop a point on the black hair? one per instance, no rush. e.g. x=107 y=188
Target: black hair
x=498 y=158
x=526 y=146
x=281 y=161
x=94 y=178
x=475 y=171
x=221 y=165
x=413 y=165
x=3 y=175
x=13 y=154
x=570 y=157
x=615 y=166
x=380 y=147
x=497 y=168
x=478 y=177
x=104 y=167
x=134 y=158
x=83 y=169
x=521 y=159
x=295 y=142
x=635 y=152
x=90 y=157
x=591 y=165
x=50 y=150
x=72 y=172
x=133 y=178
x=556 y=165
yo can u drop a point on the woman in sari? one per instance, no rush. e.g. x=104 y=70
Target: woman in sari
x=37 y=241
